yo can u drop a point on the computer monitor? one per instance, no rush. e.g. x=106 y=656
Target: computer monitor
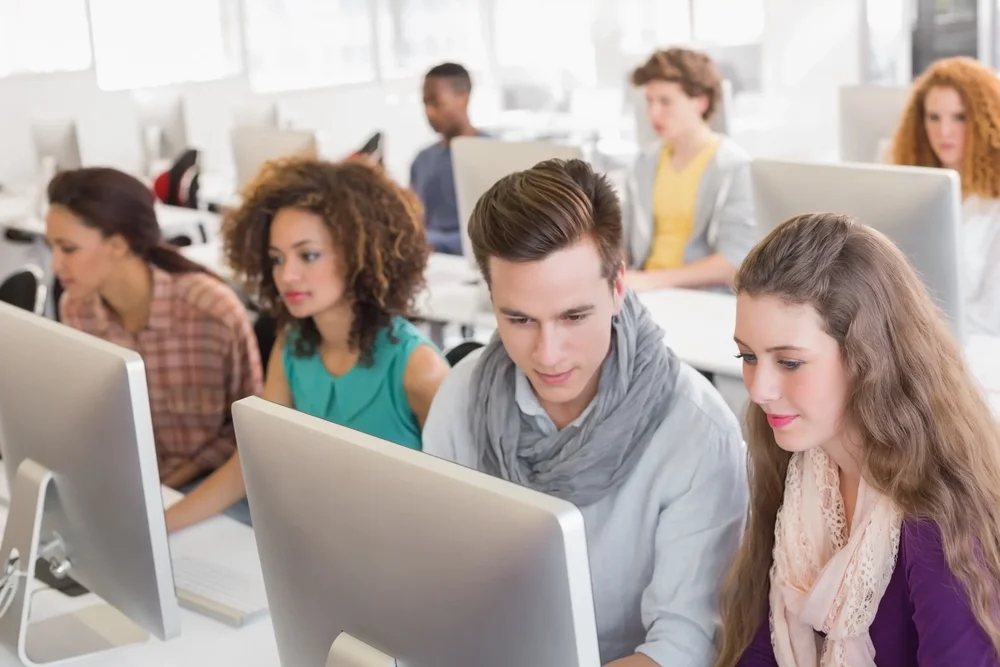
x=77 y=444
x=376 y=555
x=719 y=122
x=869 y=115
x=479 y=162
x=918 y=208
x=255 y=145
x=163 y=128
x=56 y=142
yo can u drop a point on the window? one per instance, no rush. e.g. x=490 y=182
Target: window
x=415 y=35
x=298 y=44
x=162 y=42
x=888 y=35
x=727 y=22
x=647 y=25
x=43 y=36
x=546 y=37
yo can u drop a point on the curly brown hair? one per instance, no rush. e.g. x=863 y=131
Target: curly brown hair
x=979 y=88
x=376 y=226
x=693 y=70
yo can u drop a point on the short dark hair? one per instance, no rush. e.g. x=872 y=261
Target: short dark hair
x=693 y=70
x=456 y=75
x=531 y=214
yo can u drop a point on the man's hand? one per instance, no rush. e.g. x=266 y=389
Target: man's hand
x=645 y=281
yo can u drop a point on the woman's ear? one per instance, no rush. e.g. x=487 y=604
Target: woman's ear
x=118 y=245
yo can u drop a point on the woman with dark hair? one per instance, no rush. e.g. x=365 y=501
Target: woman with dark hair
x=336 y=252
x=124 y=284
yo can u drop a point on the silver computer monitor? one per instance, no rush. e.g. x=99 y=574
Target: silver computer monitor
x=56 y=141
x=479 y=162
x=918 y=208
x=255 y=145
x=376 y=553
x=162 y=127
x=77 y=444
x=869 y=115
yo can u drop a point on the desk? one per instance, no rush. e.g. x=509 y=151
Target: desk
x=697 y=325
x=18 y=212
x=203 y=641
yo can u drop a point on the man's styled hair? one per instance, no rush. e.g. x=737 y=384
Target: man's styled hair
x=455 y=74
x=532 y=214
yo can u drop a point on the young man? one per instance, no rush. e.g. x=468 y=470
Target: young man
x=579 y=397
x=690 y=220
x=446 y=102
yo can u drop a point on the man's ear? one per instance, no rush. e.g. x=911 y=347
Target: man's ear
x=619 y=289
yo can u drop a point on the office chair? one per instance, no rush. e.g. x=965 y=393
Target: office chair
x=26 y=289
x=460 y=351
x=266 y=331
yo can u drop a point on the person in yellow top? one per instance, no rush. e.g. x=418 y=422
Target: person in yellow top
x=689 y=214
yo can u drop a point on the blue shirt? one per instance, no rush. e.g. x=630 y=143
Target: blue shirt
x=370 y=399
x=433 y=179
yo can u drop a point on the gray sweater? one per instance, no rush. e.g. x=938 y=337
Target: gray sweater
x=660 y=545
x=724 y=220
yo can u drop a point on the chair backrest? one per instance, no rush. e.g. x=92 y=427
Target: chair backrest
x=460 y=351
x=25 y=289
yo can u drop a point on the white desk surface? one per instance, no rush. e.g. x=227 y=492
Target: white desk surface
x=18 y=212
x=203 y=641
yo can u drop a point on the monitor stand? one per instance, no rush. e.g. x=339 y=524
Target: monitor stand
x=59 y=638
x=350 y=652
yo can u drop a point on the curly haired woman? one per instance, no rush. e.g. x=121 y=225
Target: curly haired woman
x=336 y=253
x=952 y=120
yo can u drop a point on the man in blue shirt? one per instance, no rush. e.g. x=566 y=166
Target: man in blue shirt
x=446 y=103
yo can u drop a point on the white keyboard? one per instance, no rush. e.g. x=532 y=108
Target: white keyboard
x=218 y=591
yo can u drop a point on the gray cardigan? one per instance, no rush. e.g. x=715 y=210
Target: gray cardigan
x=724 y=220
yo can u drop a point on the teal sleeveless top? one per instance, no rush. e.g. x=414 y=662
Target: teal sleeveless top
x=369 y=399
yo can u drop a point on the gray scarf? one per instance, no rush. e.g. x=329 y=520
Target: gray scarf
x=582 y=462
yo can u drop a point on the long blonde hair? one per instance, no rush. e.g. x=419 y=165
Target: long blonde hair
x=979 y=88
x=930 y=439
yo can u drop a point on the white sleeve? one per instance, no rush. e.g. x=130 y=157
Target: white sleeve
x=446 y=433
x=983 y=307
x=696 y=540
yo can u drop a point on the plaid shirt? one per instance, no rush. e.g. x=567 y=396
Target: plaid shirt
x=200 y=355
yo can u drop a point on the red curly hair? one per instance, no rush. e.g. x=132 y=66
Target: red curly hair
x=375 y=223
x=979 y=88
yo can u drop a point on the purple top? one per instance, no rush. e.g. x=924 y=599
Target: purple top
x=924 y=618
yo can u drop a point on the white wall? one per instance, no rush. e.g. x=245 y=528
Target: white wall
x=810 y=49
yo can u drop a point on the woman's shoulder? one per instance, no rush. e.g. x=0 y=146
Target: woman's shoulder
x=214 y=299
x=404 y=336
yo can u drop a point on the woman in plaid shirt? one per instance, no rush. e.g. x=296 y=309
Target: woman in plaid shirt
x=336 y=252
x=124 y=284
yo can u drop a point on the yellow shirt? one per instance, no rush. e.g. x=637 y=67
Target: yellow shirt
x=675 y=194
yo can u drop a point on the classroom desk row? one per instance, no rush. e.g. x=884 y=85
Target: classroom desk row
x=697 y=325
